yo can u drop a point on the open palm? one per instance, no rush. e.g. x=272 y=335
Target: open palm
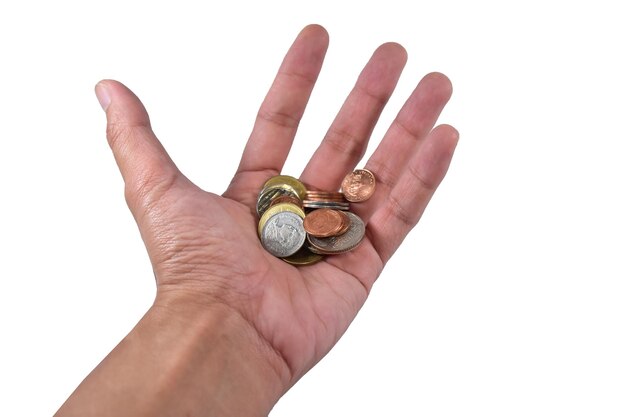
x=206 y=247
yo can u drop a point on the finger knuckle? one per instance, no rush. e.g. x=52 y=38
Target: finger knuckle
x=400 y=212
x=422 y=179
x=346 y=143
x=279 y=117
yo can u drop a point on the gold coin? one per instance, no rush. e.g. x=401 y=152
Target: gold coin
x=303 y=257
x=287 y=180
x=279 y=208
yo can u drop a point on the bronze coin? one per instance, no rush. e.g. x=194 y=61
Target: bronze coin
x=325 y=222
x=359 y=185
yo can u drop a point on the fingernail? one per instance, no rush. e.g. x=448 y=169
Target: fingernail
x=103 y=95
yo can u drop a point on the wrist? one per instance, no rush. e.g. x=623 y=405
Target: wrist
x=184 y=358
x=216 y=355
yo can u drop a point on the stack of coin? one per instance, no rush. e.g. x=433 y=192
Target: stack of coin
x=339 y=243
x=325 y=199
x=301 y=226
x=326 y=223
x=281 y=223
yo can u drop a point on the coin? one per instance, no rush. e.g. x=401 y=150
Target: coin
x=291 y=213
x=279 y=208
x=345 y=224
x=326 y=204
x=342 y=243
x=303 y=257
x=283 y=234
x=325 y=195
x=287 y=180
x=326 y=222
x=358 y=185
x=269 y=194
x=286 y=199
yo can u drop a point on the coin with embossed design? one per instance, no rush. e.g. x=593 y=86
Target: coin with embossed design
x=358 y=185
x=289 y=181
x=283 y=234
x=342 y=243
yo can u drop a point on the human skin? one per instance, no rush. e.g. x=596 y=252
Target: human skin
x=232 y=328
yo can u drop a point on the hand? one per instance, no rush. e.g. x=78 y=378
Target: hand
x=204 y=247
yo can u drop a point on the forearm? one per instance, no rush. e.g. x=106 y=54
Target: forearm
x=183 y=359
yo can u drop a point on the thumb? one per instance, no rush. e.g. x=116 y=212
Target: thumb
x=146 y=167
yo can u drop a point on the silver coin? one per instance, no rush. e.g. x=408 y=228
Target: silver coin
x=326 y=204
x=283 y=234
x=342 y=243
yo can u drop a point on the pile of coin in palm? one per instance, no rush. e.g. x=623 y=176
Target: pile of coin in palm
x=301 y=226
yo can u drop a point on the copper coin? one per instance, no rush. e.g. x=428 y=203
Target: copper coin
x=334 y=200
x=319 y=192
x=325 y=195
x=290 y=199
x=358 y=186
x=342 y=243
x=326 y=222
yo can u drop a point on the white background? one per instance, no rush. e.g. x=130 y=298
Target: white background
x=508 y=299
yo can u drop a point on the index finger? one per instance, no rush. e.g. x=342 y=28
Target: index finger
x=278 y=118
